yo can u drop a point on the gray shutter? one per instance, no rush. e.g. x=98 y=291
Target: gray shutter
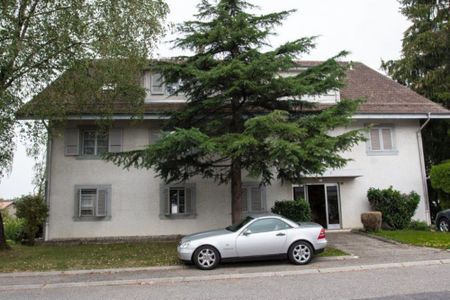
x=244 y=199
x=157 y=84
x=375 y=140
x=71 y=142
x=256 y=199
x=77 y=211
x=102 y=202
x=154 y=135
x=386 y=134
x=115 y=140
x=164 y=208
x=190 y=198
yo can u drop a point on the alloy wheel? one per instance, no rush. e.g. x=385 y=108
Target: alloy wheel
x=206 y=257
x=301 y=253
x=443 y=225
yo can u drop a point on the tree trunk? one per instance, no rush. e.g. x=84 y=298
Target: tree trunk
x=236 y=191
x=3 y=244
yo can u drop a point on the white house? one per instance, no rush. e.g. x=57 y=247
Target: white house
x=91 y=198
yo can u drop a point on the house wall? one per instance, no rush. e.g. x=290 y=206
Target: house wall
x=135 y=202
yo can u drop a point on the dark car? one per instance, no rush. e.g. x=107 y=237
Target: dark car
x=443 y=220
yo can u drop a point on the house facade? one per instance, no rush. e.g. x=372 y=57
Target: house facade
x=91 y=198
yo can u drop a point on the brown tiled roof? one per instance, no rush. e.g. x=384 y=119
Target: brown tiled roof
x=5 y=204
x=382 y=95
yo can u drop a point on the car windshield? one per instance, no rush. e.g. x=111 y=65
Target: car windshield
x=237 y=226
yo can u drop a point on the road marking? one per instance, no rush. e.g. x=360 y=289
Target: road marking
x=177 y=279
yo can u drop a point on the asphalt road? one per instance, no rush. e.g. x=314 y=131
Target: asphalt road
x=418 y=282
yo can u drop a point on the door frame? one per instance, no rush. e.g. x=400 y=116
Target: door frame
x=325 y=185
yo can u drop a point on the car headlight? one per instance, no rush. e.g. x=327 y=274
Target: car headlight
x=184 y=245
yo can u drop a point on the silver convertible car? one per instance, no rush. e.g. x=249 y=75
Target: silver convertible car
x=260 y=237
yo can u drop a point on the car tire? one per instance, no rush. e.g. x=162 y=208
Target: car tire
x=443 y=225
x=206 y=257
x=301 y=253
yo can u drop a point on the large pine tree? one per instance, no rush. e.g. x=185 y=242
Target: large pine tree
x=242 y=114
x=425 y=67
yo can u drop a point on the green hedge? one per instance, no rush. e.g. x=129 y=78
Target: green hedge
x=33 y=210
x=440 y=180
x=397 y=209
x=295 y=210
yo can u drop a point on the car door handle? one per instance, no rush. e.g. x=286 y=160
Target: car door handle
x=281 y=234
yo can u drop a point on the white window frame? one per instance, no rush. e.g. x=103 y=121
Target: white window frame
x=382 y=150
x=94 y=203
x=163 y=85
x=97 y=134
x=178 y=189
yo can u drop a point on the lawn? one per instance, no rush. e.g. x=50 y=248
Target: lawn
x=96 y=256
x=418 y=238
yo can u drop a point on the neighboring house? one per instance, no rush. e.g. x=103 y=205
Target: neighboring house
x=8 y=206
x=91 y=198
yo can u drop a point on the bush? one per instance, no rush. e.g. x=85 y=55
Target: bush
x=397 y=208
x=440 y=180
x=14 y=227
x=295 y=210
x=418 y=225
x=33 y=211
x=371 y=220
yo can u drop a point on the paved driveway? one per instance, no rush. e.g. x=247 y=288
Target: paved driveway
x=371 y=250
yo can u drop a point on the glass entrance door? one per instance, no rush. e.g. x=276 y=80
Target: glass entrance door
x=332 y=199
x=324 y=202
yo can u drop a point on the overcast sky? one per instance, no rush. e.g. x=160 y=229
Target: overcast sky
x=370 y=29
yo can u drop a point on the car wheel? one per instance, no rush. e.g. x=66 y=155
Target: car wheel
x=206 y=258
x=443 y=225
x=301 y=253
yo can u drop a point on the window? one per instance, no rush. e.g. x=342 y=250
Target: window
x=267 y=225
x=157 y=84
x=177 y=201
x=92 y=202
x=381 y=139
x=299 y=192
x=253 y=198
x=94 y=142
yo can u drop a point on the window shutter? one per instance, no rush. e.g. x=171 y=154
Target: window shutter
x=102 y=202
x=157 y=84
x=154 y=135
x=115 y=140
x=387 y=138
x=244 y=199
x=164 y=208
x=77 y=202
x=71 y=142
x=147 y=80
x=190 y=198
x=256 y=201
x=375 y=140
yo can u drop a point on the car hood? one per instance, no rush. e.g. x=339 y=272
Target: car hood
x=205 y=234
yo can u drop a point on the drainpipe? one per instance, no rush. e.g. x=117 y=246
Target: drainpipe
x=423 y=170
x=48 y=167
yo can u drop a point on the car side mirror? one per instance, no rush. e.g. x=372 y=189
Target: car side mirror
x=247 y=232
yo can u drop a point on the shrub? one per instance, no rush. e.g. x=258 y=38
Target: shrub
x=14 y=227
x=397 y=208
x=440 y=180
x=371 y=220
x=33 y=211
x=296 y=210
x=418 y=225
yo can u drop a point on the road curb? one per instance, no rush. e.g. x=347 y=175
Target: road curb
x=177 y=279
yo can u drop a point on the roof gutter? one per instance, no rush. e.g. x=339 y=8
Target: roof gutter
x=423 y=170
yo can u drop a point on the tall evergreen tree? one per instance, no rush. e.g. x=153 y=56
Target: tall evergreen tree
x=242 y=113
x=425 y=67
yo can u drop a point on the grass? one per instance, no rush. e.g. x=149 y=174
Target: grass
x=96 y=256
x=418 y=238
x=329 y=251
